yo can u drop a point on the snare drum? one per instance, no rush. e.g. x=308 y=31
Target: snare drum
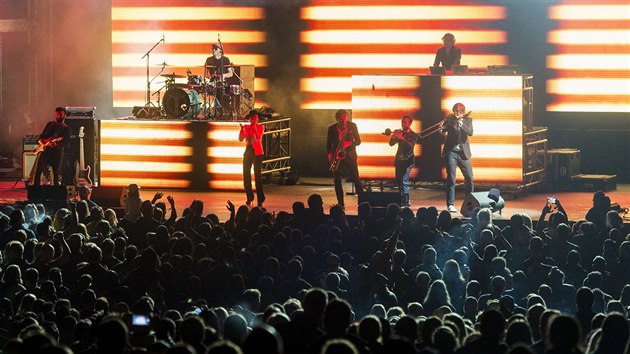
x=235 y=90
x=180 y=102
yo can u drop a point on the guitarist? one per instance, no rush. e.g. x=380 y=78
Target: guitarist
x=341 y=141
x=54 y=137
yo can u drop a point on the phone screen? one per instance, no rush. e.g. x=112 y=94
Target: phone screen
x=140 y=320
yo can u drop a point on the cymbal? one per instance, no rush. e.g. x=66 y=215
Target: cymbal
x=225 y=66
x=162 y=64
x=173 y=76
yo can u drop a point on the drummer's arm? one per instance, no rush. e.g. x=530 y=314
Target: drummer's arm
x=228 y=74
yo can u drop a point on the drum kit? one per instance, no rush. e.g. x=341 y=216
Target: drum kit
x=201 y=97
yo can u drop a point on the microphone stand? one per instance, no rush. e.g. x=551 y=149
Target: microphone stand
x=148 y=55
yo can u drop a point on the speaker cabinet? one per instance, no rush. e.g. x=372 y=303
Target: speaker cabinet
x=247 y=98
x=48 y=193
x=28 y=163
x=562 y=165
x=83 y=143
x=474 y=200
x=108 y=197
x=380 y=199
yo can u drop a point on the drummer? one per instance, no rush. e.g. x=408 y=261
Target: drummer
x=217 y=61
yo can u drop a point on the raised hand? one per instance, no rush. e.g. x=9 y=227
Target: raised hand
x=230 y=206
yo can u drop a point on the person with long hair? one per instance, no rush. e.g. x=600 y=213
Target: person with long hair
x=436 y=297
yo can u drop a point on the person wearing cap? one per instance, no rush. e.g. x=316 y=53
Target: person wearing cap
x=218 y=64
x=252 y=134
x=449 y=54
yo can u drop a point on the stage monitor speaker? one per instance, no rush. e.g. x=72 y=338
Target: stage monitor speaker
x=380 y=199
x=107 y=197
x=491 y=199
x=48 y=193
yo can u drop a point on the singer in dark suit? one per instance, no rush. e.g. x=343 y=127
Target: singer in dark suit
x=457 y=127
x=449 y=54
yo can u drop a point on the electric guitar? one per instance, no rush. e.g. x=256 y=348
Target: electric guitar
x=38 y=150
x=46 y=144
x=82 y=172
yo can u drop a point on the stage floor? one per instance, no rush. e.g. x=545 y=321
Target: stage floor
x=281 y=197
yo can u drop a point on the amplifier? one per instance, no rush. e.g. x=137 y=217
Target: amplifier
x=29 y=142
x=81 y=112
x=28 y=162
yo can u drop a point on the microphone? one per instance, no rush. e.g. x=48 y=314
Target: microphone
x=387 y=132
x=162 y=38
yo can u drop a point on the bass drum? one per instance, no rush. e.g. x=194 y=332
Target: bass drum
x=181 y=102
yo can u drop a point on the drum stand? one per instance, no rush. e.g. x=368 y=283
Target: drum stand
x=148 y=104
x=218 y=111
x=159 y=106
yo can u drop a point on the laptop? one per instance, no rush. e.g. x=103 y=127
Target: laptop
x=437 y=70
x=459 y=69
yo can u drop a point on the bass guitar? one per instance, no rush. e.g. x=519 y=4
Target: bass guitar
x=82 y=172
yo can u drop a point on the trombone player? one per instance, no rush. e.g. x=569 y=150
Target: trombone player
x=457 y=127
x=405 y=159
x=341 y=142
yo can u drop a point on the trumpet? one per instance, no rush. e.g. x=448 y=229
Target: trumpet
x=389 y=132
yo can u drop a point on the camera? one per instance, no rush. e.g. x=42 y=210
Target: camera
x=140 y=320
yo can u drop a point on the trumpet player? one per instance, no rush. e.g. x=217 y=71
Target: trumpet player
x=252 y=133
x=341 y=142
x=457 y=127
x=404 y=160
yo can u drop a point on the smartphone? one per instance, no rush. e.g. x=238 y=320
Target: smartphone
x=551 y=200
x=140 y=320
x=197 y=311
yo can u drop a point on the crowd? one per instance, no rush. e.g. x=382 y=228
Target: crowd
x=81 y=280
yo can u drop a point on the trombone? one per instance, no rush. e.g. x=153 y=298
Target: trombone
x=432 y=129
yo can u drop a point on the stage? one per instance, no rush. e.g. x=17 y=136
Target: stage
x=281 y=197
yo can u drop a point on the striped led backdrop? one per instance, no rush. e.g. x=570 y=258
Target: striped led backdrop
x=379 y=102
x=189 y=28
x=385 y=37
x=592 y=60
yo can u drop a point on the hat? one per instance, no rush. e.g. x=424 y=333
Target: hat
x=133 y=187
